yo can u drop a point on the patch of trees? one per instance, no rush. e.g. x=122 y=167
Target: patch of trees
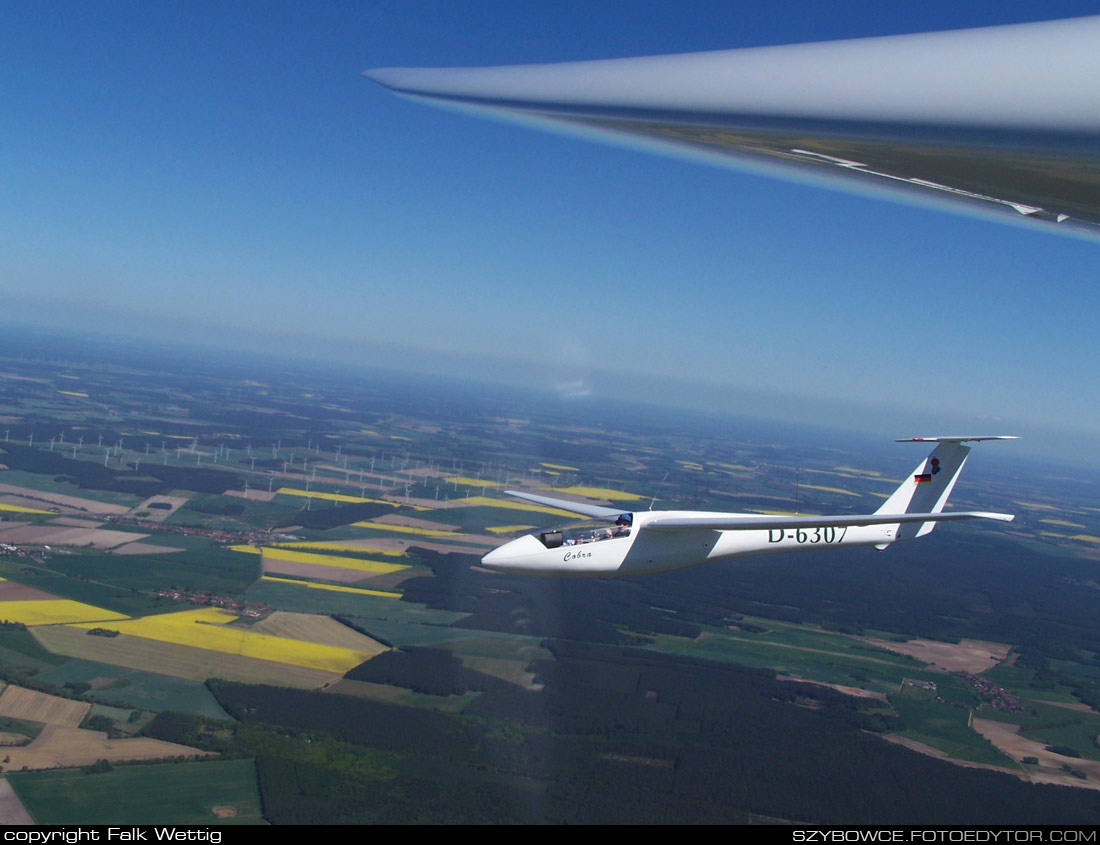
x=92 y=475
x=324 y=514
x=195 y=731
x=617 y=734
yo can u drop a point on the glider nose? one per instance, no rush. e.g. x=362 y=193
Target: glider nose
x=493 y=559
x=516 y=555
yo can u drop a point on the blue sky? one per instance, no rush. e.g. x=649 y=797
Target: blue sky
x=221 y=172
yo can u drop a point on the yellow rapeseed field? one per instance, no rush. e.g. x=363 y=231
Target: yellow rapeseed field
x=336 y=546
x=331 y=497
x=55 y=612
x=207 y=629
x=829 y=489
x=334 y=588
x=406 y=529
x=1062 y=522
x=353 y=563
x=560 y=466
x=601 y=493
x=18 y=509
x=508 y=529
x=1036 y=505
x=73 y=393
x=470 y=482
x=857 y=471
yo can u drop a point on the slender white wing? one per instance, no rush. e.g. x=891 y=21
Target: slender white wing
x=595 y=511
x=1004 y=120
x=735 y=522
x=957 y=438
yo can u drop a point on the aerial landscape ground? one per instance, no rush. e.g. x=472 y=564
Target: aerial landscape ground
x=244 y=591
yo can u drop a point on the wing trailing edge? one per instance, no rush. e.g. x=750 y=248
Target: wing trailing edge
x=737 y=522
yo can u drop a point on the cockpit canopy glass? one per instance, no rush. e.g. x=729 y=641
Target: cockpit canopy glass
x=588 y=531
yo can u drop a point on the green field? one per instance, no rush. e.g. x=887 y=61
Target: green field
x=111 y=597
x=21 y=649
x=1053 y=725
x=166 y=793
x=368 y=611
x=504 y=656
x=133 y=687
x=946 y=727
x=802 y=652
x=1020 y=681
x=209 y=568
x=46 y=483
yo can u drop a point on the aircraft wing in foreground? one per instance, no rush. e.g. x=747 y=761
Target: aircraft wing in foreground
x=1004 y=120
x=615 y=542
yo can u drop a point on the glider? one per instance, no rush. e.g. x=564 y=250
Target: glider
x=614 y=542
x=1002 y=120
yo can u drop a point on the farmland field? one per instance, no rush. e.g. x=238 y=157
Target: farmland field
x=947 y=728
x=312 y=628
x=135 y=688
x=20 y=703
x=60 y=746
x=205 y=793
x=53 y=612
x=180 y=661
x=615 y=699
x=210 y=629
x=799 y=652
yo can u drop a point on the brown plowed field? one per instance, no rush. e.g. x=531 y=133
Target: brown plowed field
x=971 y=656
x=19 y=703
x=11 y=591
x=64 y=747
x=309 y=570
x=59 y=535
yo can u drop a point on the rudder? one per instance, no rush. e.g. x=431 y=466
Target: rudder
x=926 y=489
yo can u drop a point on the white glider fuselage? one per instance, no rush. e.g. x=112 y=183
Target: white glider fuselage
x=647 y=550
x=622 y=543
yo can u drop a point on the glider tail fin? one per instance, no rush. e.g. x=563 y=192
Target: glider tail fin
x=925 y=490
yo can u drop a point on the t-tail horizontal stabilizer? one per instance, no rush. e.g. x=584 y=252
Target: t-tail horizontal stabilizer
x=925 y=490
